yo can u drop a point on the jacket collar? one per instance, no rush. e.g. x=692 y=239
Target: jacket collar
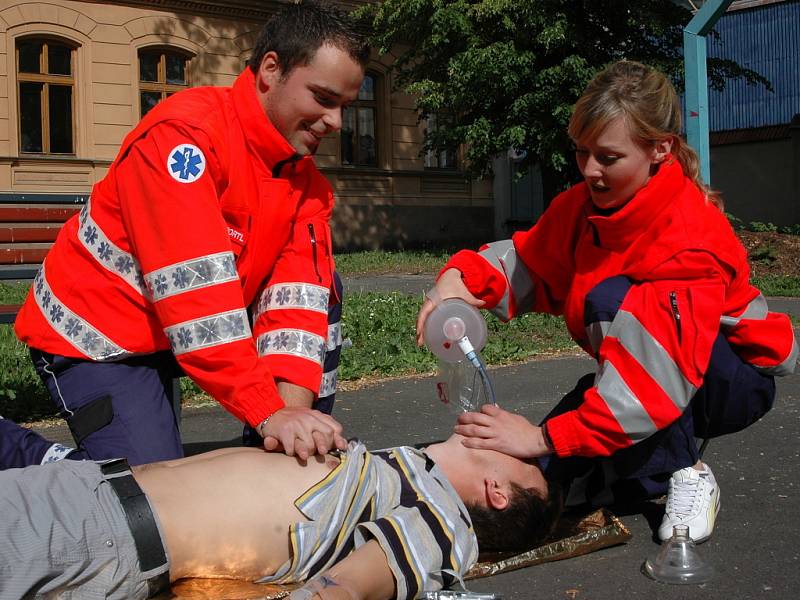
x=262 y=137
x=646 y=209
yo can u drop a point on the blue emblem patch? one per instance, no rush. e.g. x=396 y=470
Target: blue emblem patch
x=186 y=163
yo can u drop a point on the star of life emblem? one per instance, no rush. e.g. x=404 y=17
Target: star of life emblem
x=186 y=163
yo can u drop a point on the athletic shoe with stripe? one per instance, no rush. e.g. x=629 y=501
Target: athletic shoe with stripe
x=692 y=500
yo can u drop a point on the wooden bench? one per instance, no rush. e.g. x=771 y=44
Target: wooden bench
x=29 y=224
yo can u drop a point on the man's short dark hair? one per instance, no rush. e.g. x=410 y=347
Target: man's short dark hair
x=297 y=31
x=525 y=523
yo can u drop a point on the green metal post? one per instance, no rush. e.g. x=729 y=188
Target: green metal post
x=694 y=58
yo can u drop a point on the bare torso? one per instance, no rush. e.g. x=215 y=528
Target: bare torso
x=227 y=513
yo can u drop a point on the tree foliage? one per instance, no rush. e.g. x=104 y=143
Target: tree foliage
x=507 y=72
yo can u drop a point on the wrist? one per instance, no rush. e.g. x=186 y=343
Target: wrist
x=260 y=427
x=548 y=441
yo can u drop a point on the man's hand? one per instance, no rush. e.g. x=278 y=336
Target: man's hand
x=450 y=285
x=302 y=432
x=496 y=429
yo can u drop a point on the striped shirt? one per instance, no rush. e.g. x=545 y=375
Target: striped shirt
x=399 y=498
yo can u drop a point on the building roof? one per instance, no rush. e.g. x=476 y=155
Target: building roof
x=766 y=38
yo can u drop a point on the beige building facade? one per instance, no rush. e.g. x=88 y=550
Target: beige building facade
x=75 y=77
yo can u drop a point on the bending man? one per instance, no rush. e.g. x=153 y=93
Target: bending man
x=213 y=199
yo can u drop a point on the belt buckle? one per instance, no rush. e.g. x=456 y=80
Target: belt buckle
x=112 y=466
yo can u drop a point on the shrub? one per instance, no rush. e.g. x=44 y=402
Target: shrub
x=759 y=227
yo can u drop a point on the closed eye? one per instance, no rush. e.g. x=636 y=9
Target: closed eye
x=326 y=101
x=607 y=159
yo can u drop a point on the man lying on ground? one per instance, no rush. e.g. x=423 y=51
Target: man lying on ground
x=385 y=524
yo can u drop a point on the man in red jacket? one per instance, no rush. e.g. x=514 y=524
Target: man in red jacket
x=213 y=208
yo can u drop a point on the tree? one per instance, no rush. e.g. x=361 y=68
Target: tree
x=507 y=72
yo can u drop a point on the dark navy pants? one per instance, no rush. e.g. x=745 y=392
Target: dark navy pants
x=119 y=409
x=733 y=396
x=21 y=447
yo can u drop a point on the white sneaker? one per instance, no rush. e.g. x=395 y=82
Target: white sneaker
x=693 y=500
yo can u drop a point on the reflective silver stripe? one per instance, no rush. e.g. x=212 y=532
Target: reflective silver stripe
x=191 y=274
x=294 y=342
x=756 y=311
x=205 y=332
x=334 y=336
x=70 y=326
x=787 y=367
x=108 y=254
x=328 y=384
x=55 y=453
x=653 y=357
x=596 y=333
x=291 y=295
x=623 y=404
x=503 y=256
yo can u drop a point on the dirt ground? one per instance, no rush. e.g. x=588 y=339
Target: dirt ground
x=772 y=253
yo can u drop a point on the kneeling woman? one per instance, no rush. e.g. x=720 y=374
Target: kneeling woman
x=653 y=283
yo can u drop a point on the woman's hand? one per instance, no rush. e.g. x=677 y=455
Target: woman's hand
x=450 y=285
x=496 y=429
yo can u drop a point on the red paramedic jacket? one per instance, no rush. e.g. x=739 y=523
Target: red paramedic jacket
x=205 y=207
x=691 y=281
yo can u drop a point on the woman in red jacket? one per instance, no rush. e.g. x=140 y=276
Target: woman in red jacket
x=653 y=283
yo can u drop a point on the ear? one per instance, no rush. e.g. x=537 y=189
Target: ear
x=496 y=495
x=269 y=71
x=661 y=150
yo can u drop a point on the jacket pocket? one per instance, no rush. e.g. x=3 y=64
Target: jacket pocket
x=319 y=244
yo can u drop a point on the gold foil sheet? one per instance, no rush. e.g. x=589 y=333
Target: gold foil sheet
x=225 y=589
x=573 y=536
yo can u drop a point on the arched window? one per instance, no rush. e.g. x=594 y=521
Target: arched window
x=46 y=94
x=162 y=72
x=358 y=138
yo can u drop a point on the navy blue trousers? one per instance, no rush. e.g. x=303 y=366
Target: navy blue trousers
x=21 y=447
x=119 y=409
x=124 y=409
x=733 y=396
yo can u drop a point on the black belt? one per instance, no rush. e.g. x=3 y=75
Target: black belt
x=141 y=522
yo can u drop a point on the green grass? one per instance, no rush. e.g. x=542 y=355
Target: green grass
x=22 y=394
x=13 y=293
x=379 y=262
x=778 y=285
x=380 y=326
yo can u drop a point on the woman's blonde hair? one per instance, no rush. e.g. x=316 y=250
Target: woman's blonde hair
x=648 y=102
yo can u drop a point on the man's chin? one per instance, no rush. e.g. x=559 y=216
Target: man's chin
x=304 y=150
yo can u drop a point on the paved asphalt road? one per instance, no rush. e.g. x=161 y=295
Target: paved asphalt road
x=755 y=548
